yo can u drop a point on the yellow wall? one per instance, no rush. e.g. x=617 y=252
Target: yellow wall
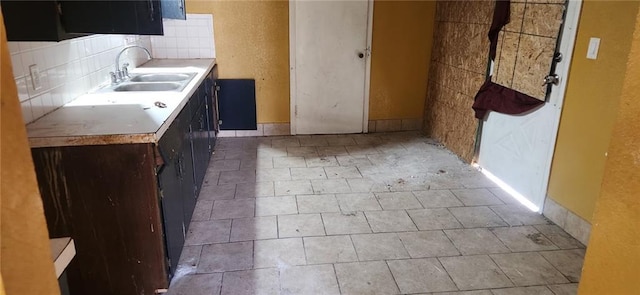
x=252 y=41
x=612 y=263
x=590 y=105
x=25 y=258
x=401 y=51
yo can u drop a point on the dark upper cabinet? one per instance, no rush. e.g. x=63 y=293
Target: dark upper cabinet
x=59 y=20
x=34 y=21
x=112 y=17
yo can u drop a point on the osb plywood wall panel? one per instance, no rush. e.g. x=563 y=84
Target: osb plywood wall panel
x=458 y=66
x=526 y=46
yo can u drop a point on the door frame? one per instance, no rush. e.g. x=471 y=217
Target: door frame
x=556 y=99
x=292 y=66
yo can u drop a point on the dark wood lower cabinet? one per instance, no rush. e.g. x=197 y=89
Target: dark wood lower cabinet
x=106 y=199
x=128 y=206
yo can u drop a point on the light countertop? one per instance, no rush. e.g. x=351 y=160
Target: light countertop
x=62 y=251
x=119 y=117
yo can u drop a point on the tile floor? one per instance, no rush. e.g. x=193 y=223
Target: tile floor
x=392 y=213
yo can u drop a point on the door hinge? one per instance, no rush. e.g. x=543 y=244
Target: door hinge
x=295 y=111
x=219 y=122
x=218 y=87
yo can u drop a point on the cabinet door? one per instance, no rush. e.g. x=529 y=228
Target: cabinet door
x=170 y=187
x=173 y=9
x=187 y=178
x=113 y=17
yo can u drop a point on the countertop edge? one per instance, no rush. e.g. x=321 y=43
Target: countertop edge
x=133 y=138
x=62 y=251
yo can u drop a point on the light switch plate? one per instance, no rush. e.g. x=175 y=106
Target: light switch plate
x=594 y=45
x=34 y=71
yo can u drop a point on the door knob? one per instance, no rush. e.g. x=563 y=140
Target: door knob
x=360 y=54
x=551 y=79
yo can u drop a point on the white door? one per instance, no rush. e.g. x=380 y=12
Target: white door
x=329 y=66
x=518 y=149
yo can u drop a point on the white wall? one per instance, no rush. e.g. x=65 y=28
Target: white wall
x=73 y=67
x=68 y=69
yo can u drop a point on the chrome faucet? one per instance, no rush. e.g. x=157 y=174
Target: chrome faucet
x=122 y=74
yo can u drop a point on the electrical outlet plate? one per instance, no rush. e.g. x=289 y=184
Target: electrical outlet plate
x=36 y=82
x=594 y=45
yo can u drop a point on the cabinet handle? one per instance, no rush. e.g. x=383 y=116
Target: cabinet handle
x=151 y=10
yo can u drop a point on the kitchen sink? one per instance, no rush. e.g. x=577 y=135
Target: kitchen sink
x=157 y=86
x=163 y=77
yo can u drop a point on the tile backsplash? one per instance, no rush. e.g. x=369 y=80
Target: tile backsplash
x=73 y=67
x=192 y=38
x=68 y=68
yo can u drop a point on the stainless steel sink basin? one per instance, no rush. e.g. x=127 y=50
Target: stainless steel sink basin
x=158 y=86
x=163 y=77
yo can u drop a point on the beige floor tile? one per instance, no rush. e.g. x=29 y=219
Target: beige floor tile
x=331 y=249
x=564 y=289
x=255 y=190
x=365 y=185
x=278 y=253
x=340 y=140
x=476 y=292
x=276 y=206
x=503 y=196
x=516 y=215
x=559 y=237
x=239 y=176
x=360 y=150
x=427 y=244
x=342 y=172
x=526 y=269
x=476 y=241
x=430 y=219
x=365 y=278
x=251 y=282
x=224 y=165
x=330 y=186
x=471 y=217
x=358 y=202
x=217 y=192
x=324 y=151
x=321 y=161
x=313 y=141
x=398 y=200
x=390 y=221
x=256 y=163
x=289 y=162
x=236 y=208
x=523 y=238
x=310 y=279
x=437 y=199
x=421 y=275
x=189 y=258
x=345 y=223
x=379 y=246
x=317 y=203
x=272 y=174
x=293 y=187
x=255 y=228
x=308 y=173
x=285 y=142
x=353 y=161
x=300 y=225
x=476 y=197
x=306 y=151
x=533 y=290
x=568 y=262
x=475 y=272
x=208 y=232
x=196 y=284
x=226 y=257
x=202 y=211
